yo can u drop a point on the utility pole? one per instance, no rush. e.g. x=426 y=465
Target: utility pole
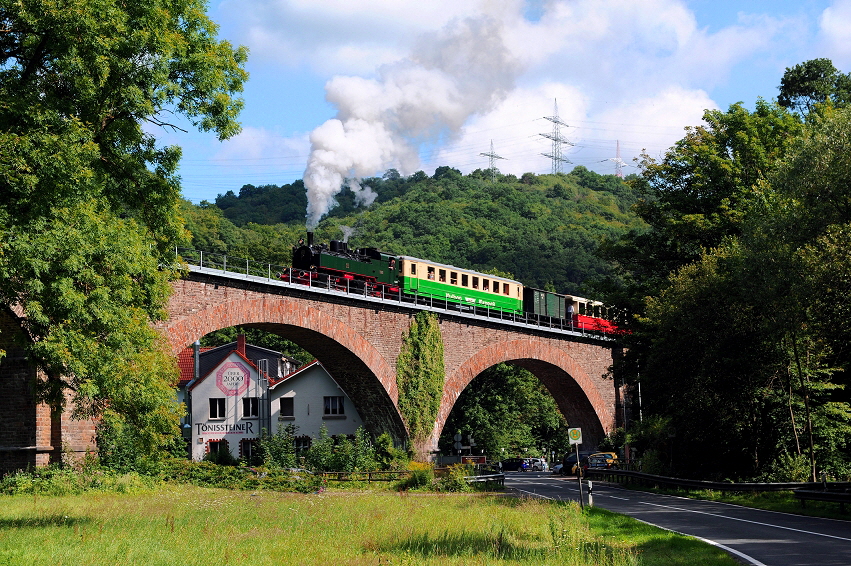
x=619 y=163
x=492 y=157
x=557 y=140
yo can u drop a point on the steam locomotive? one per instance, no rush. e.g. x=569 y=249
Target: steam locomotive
x=370 y=271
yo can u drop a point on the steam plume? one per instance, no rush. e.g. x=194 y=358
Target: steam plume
x=462 y=70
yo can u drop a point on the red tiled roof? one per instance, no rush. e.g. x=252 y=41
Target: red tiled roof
x=186 y=363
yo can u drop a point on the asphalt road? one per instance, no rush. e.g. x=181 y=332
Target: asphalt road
x=752 y=536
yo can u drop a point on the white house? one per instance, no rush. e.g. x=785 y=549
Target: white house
x=227 y=407
x=309 y=398
x=235 y=398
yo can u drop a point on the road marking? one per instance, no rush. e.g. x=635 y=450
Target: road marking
x=749 y=521
x=535 y=494
x=742 y=555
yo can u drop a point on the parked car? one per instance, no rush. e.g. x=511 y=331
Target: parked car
x=595 y=461
x=557 y=468
x=569 y=462
x=539 y=465
x=599 y=460
x=516 y=465
x=611 y=458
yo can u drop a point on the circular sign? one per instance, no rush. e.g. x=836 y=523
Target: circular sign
x=575 y=435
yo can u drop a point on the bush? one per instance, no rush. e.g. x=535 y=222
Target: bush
x=453 y=480
x=422 y=476
x=56 y=480
x=278 y=450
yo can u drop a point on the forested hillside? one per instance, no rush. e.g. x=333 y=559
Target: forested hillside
x=542 y=229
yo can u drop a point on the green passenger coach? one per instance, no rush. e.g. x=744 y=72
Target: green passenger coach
x=449 y=283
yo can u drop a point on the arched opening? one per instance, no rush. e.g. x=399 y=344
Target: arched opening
x=575 y=395
x=364 y=382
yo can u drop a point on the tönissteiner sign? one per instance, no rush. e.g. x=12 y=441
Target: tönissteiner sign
x=233 y=378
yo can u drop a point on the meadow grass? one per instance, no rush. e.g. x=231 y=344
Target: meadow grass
x=182 y=524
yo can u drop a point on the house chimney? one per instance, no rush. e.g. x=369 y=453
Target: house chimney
x=197 y=361
x=240 y=344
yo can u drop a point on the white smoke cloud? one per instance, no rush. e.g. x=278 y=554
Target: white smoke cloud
x=462 y=70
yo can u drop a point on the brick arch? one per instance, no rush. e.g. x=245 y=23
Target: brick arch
x=351 y=359
x=575 y=392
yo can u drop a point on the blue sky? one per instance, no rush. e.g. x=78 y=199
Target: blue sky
x=349 y=88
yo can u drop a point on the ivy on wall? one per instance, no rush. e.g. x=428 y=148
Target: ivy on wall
x=420 y=374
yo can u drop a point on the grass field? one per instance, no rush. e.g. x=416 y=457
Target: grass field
x=180 y=524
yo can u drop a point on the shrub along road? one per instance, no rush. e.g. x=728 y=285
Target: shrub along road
x=754 y=536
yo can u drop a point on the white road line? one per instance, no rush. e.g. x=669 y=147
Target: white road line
x=535 y=494
x=742 y=555
x=749 y=521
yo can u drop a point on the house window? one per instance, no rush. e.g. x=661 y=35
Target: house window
x=250 y=407
x=287 y=408
x=334 y=406
x=217 y=408
x=215 y=446
x=248 y=448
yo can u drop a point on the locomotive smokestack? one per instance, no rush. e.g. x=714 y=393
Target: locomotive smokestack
x=309 y=239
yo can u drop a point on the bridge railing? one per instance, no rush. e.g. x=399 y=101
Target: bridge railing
x=284 y=275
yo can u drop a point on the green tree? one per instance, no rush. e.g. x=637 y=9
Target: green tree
x=693 y=199
x=509 y=413
x=89 y=218
x=752 y=339
x=814 y=82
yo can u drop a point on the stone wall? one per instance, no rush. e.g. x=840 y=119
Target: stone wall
x=30 y=433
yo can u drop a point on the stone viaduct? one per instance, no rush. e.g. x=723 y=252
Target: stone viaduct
x=359 y=338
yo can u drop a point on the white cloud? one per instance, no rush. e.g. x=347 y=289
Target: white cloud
x=254 y=144
x=650 y=124
x=338 y=36
x=835 y=31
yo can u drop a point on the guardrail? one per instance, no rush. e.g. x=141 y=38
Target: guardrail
x=384 y=475
x=498 y=479
x=392 y=475
x=280 y=275
x=841 y=497
x=627 y=476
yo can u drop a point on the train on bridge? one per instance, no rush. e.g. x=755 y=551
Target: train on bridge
x=377 y=273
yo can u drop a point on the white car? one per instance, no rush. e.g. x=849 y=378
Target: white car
x=557 y=468
x=539 y=465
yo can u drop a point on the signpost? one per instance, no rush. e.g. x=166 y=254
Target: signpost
x=575 y=437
